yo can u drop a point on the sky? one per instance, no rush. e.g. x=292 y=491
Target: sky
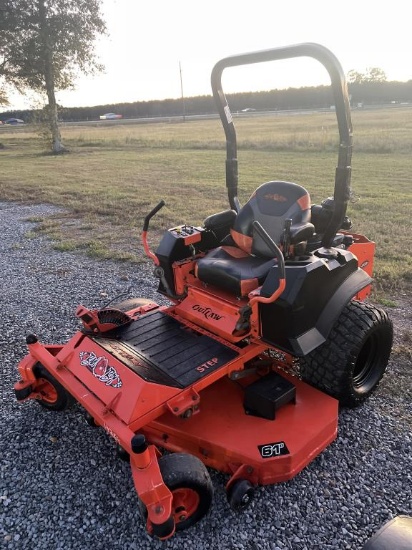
x=149 y=40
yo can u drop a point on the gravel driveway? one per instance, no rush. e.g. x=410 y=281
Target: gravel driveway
x=62 y=486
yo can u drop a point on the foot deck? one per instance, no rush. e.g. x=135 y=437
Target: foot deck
x=161 y=350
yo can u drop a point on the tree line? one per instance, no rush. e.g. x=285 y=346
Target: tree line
x=370 y=93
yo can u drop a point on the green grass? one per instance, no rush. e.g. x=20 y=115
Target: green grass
x=115 y=174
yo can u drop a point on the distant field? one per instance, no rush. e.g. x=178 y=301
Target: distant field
x=115 y=174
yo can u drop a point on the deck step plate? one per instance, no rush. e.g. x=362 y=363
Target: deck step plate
x=161 y=350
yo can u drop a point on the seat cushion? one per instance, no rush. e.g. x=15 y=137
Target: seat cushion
x=232 y=269
x=271 y=205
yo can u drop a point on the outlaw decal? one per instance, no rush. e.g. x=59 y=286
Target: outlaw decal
x=100 y=368
x=207 y=312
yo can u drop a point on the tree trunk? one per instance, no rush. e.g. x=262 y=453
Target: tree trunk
x=56 y=141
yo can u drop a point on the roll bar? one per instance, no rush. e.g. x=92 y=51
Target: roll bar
x=342 y=109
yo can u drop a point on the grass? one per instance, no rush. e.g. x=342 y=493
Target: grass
x=116 y=174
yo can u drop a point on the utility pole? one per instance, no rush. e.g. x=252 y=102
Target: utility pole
x=181 y=89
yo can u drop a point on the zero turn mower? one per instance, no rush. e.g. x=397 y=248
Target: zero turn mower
x=267 y=334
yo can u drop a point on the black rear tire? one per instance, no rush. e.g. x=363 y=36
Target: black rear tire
x=351 y=362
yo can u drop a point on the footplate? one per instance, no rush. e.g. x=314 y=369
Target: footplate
x=161 y=350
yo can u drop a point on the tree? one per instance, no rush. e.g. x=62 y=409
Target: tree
x=372 y=75
x=375 y=74
x=3 y=92
x=45 y=43
x=3 y=95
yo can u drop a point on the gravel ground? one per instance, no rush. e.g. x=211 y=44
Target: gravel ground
x=62 y=486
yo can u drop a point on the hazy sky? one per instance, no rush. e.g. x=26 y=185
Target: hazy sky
x=148 y=39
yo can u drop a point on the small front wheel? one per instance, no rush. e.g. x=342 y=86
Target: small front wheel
x=52 y=395
x=189 y=482
x=240 y=495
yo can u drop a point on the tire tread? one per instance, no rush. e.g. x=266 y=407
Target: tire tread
x=329 y=367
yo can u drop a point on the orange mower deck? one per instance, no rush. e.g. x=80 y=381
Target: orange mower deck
x=263 y=451
x=195 y=408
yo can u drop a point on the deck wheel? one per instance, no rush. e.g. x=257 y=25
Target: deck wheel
x=240 y=494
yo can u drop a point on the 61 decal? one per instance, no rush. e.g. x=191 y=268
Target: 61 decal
x=270 y=450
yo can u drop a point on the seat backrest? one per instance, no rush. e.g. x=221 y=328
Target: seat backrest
x=271 y=205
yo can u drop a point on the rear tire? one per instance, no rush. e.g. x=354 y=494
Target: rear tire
x=351 y=362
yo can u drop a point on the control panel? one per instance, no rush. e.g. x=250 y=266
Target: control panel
x=188 y=233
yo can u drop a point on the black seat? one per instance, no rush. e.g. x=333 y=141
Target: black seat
x=243 y=261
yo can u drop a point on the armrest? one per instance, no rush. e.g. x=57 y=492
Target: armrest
x=219 y=220
x=220 y=223
x=301 y=232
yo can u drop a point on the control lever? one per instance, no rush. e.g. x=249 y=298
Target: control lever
x=151 y=214
x=286 y=238
x=145 y=230
x=281 y=267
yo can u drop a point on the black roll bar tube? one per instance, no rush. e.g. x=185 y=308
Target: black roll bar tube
x=342 y=109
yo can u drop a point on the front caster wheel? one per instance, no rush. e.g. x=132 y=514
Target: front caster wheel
x=240 y=494
x=189 y=482
x=52 y=395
